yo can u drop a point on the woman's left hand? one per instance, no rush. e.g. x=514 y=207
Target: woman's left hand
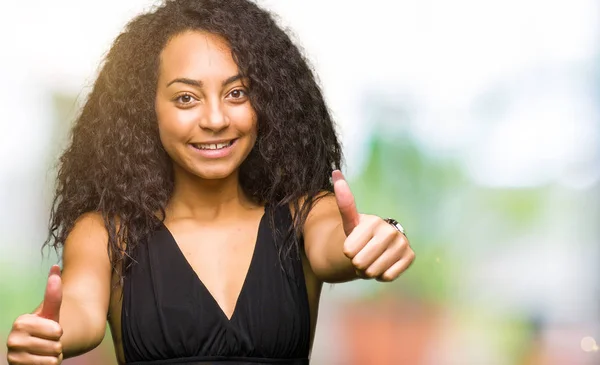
x=377 y=249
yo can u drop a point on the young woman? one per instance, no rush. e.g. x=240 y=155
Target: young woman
x=195 y=205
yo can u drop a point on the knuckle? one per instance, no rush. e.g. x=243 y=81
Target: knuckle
x=401 y=236
x=371 y=220
x=57 y=348
x=387 y=276
x=388 y=231
x=359 y=264
x=371 y=272
x=12 y=342
x=54 y=330
x=394 y=232
x=405 y=240
x=402 y=244
x=411 y=255
x=19 y=324
x=408 y=255
x=50 y=329
x=12 y=358
x=15 y=358
x=58 y=331
x=347 y=251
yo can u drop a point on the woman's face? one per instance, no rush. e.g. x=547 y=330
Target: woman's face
x=205 y=120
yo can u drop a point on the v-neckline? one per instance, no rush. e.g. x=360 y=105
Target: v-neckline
x=201 y=283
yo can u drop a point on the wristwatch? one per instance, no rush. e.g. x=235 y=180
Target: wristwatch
x=396 y=225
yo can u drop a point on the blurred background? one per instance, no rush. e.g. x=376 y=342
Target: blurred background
x=475 y=123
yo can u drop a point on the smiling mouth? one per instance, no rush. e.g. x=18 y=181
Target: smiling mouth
x=212 y=146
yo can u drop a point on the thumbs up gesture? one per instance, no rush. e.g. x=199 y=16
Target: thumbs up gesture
x=377 y=249
x=35 y=338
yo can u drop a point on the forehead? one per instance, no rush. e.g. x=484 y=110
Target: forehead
x=198 y=55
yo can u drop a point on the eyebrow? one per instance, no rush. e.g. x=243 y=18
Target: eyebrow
x=199 y=83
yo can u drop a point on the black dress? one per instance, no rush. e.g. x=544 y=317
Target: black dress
x=170 y=317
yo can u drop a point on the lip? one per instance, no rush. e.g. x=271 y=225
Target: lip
x=212 y=154
x=216 y=141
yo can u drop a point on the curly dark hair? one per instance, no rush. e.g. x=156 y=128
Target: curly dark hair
x=116 y=165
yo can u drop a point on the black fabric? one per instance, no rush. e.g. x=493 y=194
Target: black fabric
x=170 y=317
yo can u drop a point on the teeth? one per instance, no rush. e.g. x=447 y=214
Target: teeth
x=212 y=146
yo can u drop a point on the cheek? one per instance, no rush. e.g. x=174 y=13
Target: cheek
x=173 y=123
x=252 y=130
x=246 y=120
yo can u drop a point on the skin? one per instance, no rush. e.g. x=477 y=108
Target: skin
x=208 y=103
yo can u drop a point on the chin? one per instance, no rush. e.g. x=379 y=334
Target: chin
x=214 y=173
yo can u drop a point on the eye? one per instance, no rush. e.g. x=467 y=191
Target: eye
x=185 y=99
x=237 y=94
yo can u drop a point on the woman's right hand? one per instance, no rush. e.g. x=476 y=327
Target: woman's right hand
x=35 y=338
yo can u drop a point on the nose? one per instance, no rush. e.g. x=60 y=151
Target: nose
x=214 y=119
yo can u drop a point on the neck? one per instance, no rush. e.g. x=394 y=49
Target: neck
x=203 y=199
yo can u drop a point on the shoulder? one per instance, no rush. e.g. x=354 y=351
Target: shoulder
x=89 y=228
x=317 y=202
x=90 y=220
x=323 y=208
x=312 y=207
x=86 y=245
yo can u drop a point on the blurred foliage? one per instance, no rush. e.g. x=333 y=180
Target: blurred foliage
x=402 y=182
x=22 y=285
x=21 y=291
x=446 y=216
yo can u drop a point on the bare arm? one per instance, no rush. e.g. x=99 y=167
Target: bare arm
x=85 y=284
x=86 y=278
x=324 y=239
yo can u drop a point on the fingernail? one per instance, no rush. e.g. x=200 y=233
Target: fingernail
x=55 y=269
x=337 y=176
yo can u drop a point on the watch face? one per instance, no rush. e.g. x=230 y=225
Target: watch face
x=396 y=225
x=400 y=228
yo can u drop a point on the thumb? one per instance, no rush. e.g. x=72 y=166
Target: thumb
x=53 y=295
x=345 y=202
